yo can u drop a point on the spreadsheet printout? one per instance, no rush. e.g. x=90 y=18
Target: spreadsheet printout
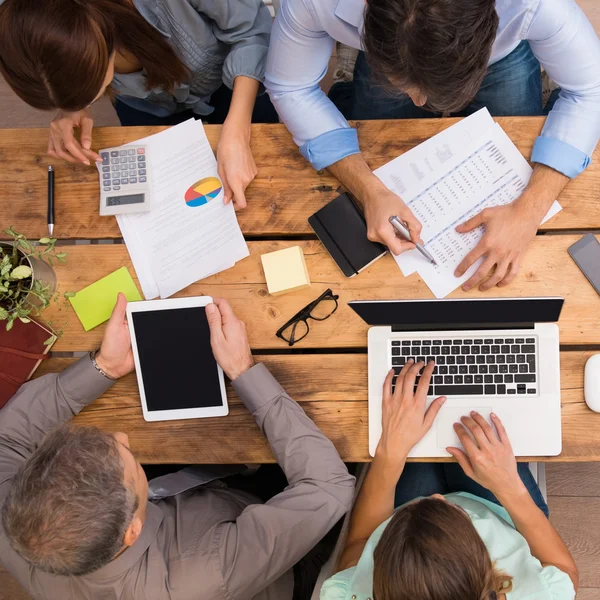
x=489 y=172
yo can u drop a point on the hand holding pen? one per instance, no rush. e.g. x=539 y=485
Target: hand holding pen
x=401 y=229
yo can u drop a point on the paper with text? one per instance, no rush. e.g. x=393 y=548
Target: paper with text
x=180 y=240
x=489 y=171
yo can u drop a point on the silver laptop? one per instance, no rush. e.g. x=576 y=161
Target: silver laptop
x=492 y=355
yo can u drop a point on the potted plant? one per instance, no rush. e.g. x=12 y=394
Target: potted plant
x=27 y=279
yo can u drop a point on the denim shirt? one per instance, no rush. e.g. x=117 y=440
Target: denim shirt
x=217 y=40
x=560 y=36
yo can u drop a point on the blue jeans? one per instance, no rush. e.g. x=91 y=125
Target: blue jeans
x=425 y=479
x=512 y=87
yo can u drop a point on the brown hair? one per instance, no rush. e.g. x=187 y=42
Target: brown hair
x=68 y=507
x=55 y=53
x=431 y=551
x=440 y=47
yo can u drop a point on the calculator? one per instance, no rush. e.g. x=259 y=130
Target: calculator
x=124 y=180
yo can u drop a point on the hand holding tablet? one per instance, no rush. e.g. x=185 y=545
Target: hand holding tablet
x=178 y=376
x=228 y=339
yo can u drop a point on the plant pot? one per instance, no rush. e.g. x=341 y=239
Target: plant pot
x=41 y=271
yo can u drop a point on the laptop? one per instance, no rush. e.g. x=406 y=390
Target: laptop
x=492 y=355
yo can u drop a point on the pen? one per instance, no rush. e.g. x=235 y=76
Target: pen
x=50 y=200
x=398 y=226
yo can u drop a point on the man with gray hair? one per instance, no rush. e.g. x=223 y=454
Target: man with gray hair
x=76 y=519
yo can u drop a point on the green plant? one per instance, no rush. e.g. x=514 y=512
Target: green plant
x=21 y=295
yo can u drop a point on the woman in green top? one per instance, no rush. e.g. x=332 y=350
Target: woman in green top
x=460 y=546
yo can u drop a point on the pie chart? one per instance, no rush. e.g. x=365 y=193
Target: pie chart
x=203 y=191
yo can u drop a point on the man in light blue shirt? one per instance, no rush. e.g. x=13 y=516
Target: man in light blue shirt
x=449 y=56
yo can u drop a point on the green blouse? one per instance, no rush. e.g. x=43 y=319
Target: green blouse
x=507 y=547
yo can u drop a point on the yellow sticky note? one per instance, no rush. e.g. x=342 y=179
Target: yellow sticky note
x=94 y=304
x=285 y=270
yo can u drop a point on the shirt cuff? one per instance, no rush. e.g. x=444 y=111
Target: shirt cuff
x=248 y=61
x=560 y=156
x=257 y=387
x=330 y=147
x=82 y=382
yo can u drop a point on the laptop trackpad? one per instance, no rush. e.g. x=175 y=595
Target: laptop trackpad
x=446 y=436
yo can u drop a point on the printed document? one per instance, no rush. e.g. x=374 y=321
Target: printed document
x=189 y=233
x=481 y=168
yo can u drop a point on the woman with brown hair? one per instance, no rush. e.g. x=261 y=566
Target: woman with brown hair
x=162 y=61
x=488 y=538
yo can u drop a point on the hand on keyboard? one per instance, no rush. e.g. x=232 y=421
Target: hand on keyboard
x=405 y=418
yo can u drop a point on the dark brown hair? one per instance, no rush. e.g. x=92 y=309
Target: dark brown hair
x=54 y=53
x=68 y=507
x=431 y=551
x=440 y=47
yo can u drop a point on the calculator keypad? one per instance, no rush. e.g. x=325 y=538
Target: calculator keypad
x=122 y=168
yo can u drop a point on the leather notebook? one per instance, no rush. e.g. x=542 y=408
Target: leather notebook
x=341 y=227
x=21 y=351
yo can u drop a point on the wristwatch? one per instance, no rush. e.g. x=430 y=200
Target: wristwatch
x=97 y=367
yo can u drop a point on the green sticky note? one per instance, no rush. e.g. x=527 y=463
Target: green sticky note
x=94 y=304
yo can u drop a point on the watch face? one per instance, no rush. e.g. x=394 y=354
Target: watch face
x=124 y=200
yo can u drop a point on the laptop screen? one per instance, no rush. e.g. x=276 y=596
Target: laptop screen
x=413 y=314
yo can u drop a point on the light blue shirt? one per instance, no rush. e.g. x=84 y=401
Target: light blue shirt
x=560 y=35
x=507 y=548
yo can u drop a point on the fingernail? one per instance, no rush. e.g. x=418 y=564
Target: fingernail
x=466 y=288
x=444 y=399
x=86 y=162
x=473 y=413
x=456 y=425
x=210 y=308
x=493 y=415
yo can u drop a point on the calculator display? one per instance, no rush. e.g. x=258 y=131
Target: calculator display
x=121 y=200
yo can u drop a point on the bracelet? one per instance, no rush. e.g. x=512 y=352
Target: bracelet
x=97 y=367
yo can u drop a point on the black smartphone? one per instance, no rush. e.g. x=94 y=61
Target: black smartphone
x=586 y=254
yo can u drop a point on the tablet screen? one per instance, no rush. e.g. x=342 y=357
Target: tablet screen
x=178 y=367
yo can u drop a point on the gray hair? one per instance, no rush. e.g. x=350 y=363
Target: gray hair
x=68 y=507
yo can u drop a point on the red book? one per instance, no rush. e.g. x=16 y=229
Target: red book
x=21 y=351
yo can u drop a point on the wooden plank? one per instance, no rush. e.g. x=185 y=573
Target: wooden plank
x=574 y=480
x=578 y=522
x=285 y=193
x=337 y=404
x=547 y=271
x=10 y=588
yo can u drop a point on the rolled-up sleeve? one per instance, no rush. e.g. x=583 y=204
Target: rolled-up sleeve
x=297 y=61
x=565 y=43
x=245 y=25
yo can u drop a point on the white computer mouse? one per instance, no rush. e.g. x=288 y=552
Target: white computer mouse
x=591 y=384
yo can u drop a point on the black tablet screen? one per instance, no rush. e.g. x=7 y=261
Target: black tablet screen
x=178 y=367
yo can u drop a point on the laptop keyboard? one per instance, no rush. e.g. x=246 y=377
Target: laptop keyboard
x=475 y=366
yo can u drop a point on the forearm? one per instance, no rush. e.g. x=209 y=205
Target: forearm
x=545 y=543
x=544 y=187
x=375 y=501
x=373 y=506
x=356 y=176
x=245 y=90
x=300 y=447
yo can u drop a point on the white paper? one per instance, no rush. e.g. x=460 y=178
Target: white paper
x=411 y=171
x=174 y=245
x=490 y=171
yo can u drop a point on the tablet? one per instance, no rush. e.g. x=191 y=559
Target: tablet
x=177 y=374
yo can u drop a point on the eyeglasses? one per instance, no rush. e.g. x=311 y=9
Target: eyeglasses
x=297 y=328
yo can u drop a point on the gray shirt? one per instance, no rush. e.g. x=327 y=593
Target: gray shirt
x=210 y=543
x=217 y=40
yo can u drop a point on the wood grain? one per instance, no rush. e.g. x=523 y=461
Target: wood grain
x=574 y=480
x=284 y=194
x=332 y=389
x=577 y=520
x=547 y=271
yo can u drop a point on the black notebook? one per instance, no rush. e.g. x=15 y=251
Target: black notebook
x=342 y=228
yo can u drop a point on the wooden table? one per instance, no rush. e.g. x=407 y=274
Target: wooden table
x=326 y=372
